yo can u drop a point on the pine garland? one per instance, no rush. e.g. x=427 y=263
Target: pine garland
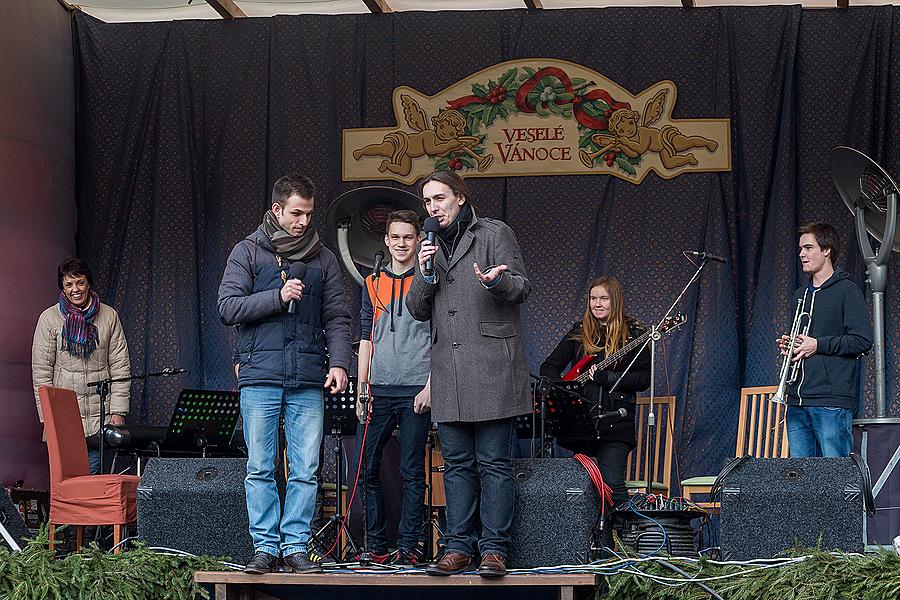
x=141 y=574
x=820 y=576
x=92 y=574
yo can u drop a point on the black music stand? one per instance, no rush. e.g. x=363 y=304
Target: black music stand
x=340 y=419
x=203 y=419
x=529 y=424
x=570 y=417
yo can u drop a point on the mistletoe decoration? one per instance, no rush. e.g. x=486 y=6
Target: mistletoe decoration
x=545 y=92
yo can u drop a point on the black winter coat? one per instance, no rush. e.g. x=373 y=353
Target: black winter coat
x=276 y=347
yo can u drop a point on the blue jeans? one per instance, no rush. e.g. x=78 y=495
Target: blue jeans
x=478 y=463
x=94 y=460
x=387 y=413
x=819 y=431
x=304 y=414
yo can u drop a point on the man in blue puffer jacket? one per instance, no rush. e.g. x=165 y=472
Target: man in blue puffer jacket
x=283 y=364
x=824 y=396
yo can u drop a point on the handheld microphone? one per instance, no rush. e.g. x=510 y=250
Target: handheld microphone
x=706 y=256
x=298 y=271
x=364 y=399
x=618 y=414
x=379 y=260
x=430 y=227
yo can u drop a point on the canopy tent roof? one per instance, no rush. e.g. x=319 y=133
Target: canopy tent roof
x=121 y=11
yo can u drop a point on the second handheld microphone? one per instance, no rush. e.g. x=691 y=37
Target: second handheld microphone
x=430 y=227
x=298 y=271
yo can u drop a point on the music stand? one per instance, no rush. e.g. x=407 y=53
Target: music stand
x=532 y=425
x=527 y=425
x=340 y=419
x=570 y=417
x=203 y=419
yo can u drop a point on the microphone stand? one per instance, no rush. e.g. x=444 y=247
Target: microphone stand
x=364 y=557
x=652 y=339
x=103 y=389
x=543 y=390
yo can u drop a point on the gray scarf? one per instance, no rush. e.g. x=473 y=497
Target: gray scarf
x=287 y=246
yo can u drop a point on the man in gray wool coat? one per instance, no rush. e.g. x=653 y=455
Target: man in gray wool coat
x=479 y=379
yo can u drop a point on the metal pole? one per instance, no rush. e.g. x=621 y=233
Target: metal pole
x=651 y=417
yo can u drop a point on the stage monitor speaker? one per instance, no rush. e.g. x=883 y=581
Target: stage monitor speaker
x=12 y=523
x=557 y=508
x=772 y=504
x=196 y=505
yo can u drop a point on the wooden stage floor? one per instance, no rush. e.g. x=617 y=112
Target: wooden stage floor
x=232 y=585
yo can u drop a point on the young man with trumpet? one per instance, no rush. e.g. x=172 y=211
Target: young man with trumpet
x=831 y=330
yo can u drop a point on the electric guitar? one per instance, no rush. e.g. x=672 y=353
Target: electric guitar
x=581 y=371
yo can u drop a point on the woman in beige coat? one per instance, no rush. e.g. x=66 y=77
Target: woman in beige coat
x=79 y=340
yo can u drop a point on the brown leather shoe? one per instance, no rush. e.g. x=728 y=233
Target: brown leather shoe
x=492 y=565
x=450 y=563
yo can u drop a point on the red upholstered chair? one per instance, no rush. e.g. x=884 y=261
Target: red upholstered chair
x=76 y=497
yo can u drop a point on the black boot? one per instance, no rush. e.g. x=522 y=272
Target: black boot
x=262 y=562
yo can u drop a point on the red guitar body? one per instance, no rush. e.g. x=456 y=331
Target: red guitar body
x=579 y=367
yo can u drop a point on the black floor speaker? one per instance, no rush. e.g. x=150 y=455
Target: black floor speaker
x=11 y=521
x=197 y=505
x=772 y=504
x=557 y=507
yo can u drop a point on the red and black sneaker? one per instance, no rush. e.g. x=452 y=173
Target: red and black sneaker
x=375 y=558
x=406 y=558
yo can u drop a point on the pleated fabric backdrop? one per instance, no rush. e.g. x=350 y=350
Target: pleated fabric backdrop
x=182 y=128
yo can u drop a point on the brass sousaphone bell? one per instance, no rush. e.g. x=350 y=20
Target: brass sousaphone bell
x=358 y=218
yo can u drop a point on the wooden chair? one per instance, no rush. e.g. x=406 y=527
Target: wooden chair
x=77 y=497
x=761 y=433
x=661 y=449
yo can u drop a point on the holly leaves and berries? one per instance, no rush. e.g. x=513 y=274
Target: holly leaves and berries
x=488 y=102
x=545 y=92
x=460 y=159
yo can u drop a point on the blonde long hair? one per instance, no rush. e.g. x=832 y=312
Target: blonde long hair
x=616 y=326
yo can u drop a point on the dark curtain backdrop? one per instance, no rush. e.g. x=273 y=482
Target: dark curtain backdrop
x=183 y=127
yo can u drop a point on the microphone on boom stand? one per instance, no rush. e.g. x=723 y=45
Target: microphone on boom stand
x=705 y=256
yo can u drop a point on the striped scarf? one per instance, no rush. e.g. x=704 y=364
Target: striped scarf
x=79 y=334
x=289 y=247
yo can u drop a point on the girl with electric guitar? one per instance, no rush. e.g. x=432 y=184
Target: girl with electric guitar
x=604 y=331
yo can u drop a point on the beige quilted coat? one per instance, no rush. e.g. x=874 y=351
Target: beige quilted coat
x=51 y=365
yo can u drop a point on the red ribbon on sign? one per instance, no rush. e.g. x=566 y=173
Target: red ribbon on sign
x=464 y=101
x=580 y=115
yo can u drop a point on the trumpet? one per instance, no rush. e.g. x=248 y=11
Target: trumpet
x=789 y=367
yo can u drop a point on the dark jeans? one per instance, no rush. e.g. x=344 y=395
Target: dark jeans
x=388 y=413
x=612 y=458
x=478 y=463
x=94 y=459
